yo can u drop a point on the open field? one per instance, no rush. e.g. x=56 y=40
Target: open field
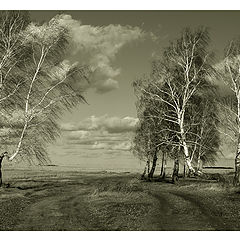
x=71 y=200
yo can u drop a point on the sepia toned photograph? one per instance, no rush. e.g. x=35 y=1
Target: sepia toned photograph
x=119 y=120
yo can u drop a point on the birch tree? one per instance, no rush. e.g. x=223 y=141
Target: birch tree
x=204 y=137
x=181 y=73
x=153 y=134
x=145 y=138
x=49 y=88
x=229 y=73
x=144 y=148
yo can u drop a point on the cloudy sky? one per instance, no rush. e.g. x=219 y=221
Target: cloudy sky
x=119 y=46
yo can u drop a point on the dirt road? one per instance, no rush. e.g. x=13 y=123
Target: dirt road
x=102 y=201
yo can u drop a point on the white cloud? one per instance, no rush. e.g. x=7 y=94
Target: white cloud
x=108 y=85
x=98 y=47
x=98 y=145
x=104 y=132
x=68 y=126
x=122 y=146
x=79 y=134
x=109 y=124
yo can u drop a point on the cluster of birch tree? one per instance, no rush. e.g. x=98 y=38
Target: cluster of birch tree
x=181 y=111
x=36 y=84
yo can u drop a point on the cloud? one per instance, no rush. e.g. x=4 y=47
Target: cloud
x=108 y=85
x=97 y=145
x=93 y=141
x=109 y=124
x=98 y=47
x=79 y=134
x=123 y=146
x=100 y=133
x=95 y=136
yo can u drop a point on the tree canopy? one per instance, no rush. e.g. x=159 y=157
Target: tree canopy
x=39 y=89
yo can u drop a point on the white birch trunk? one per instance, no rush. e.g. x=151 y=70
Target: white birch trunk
x=19 y=143
x=186 y=153
x=184 y=144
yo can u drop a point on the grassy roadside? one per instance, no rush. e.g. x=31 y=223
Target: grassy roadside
x=52 y=200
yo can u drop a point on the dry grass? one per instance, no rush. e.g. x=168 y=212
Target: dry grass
x=53 y=200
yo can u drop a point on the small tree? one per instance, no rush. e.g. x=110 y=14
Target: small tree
x=145 y=140
x=153 y=134
x=142 y=147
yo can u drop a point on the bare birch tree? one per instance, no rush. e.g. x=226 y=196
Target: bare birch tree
x=181 y=73
x=229 y=73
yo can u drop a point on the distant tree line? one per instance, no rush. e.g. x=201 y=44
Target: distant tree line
x=182 y=112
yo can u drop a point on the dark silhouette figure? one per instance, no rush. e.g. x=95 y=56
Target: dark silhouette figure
x=1 y=159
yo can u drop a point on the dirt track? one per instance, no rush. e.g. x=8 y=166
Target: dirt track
x=84 y=201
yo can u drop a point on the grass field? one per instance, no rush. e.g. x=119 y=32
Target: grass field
x=73 y=200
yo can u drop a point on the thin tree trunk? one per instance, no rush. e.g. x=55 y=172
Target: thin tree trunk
x=153 y=165
x=187 y=171
x=148 y=166
x=0 y=176
x=175 y=171
x=144 y=171
x=164 y=165
x=1 y=159
x=184 y=170
x=19 y=142
x=161 y=173
x=237 y=164
x=199 y=164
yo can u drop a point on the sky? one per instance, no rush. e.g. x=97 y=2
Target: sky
x=120 y=46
